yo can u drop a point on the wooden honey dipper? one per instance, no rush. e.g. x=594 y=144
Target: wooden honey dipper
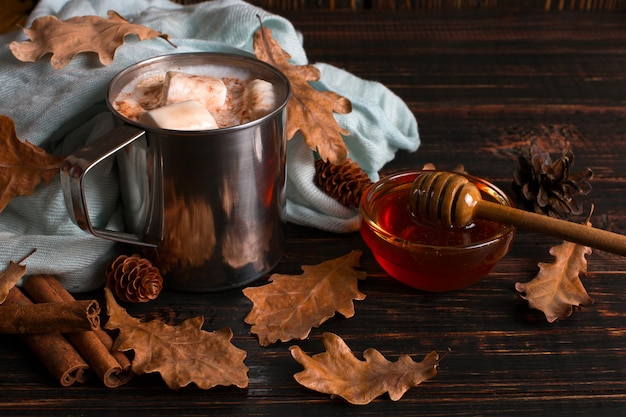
x=450 y=199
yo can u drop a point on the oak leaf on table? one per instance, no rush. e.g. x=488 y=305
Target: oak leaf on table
x=309 y=111
x=291 y=305
x=68 y=38
x=23 y=166
x=181 y=354
x=557 y=288
x=339 y=373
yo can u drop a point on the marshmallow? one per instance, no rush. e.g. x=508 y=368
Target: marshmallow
x=187 y=115
x=179 y=87
x=259 y=99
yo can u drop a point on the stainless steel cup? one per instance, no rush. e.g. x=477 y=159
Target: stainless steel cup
x=206 y=206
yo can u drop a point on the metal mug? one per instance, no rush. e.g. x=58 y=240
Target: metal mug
x=206 y=206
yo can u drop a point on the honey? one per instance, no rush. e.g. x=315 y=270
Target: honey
x=425 y=255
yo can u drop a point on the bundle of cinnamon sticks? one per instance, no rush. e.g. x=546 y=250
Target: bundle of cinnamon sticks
x=64 y=333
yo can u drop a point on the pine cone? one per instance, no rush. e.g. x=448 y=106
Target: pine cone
x=345 y=183
x=548 y=186
x=134 y=279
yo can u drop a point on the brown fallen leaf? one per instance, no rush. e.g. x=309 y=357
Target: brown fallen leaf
x=291 y=305
x=11 y=276
x=65 y=39
x=22 y=165
x=309 y=111
x=181 y=354
x=557 y=288
x=339 y=373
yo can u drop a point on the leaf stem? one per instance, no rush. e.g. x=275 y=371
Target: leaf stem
x=27 y=256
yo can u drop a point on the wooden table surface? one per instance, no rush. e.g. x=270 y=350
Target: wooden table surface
x=478 y=83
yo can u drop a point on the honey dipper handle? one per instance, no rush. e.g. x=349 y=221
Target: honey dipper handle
x=570 y=231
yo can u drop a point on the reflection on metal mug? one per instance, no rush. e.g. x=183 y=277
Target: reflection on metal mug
x=206 y=206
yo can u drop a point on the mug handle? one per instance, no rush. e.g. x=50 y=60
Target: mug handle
x=78 y=164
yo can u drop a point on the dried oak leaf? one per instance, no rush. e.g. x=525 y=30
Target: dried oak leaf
x=339 y=373
x=309 y=111
x=291 y=305
x=181 y=354
x=11 y=276
x=22 y=165
x=557 y=288
x=66 y=39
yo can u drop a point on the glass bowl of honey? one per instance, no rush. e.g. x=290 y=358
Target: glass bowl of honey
x=423 y=254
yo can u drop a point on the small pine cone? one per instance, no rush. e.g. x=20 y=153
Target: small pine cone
x=547 y=185
x=345 y=183
x=134 y=279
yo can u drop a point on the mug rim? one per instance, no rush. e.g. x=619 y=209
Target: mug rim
x=222 y=57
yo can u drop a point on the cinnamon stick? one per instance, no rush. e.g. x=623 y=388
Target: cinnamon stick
x=54 y=351
x=61 y=317
x=112 y=371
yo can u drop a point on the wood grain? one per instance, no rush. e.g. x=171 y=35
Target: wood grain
x=479 y=83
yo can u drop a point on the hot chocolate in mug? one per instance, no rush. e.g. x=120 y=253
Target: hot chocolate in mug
x=202 y=182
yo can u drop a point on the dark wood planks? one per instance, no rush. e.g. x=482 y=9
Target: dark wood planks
x=476 y=82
